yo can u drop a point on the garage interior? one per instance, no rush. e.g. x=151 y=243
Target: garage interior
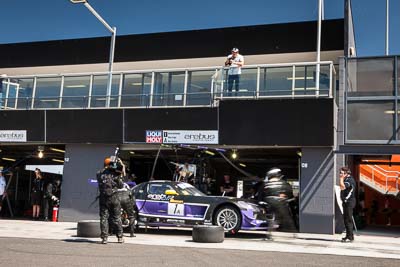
x=250 y=165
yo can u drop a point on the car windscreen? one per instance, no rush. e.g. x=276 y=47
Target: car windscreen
x=188 y=189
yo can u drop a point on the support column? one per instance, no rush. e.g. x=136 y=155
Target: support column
x=317 y=191
x=77 y=192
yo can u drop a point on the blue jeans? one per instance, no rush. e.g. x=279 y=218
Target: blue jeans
x=233 y=78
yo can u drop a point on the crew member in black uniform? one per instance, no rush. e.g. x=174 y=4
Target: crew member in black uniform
x=127 y=201
x=109 y=181
x=277 y=192
x=51 y=197
x=347 y=195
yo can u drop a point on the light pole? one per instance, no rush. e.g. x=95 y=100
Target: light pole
x=318 y=69
x=387 y=29
x=113 y=31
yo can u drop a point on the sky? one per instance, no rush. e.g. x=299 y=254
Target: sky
x=40 y=20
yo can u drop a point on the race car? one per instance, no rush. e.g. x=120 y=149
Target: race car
x=168 y=203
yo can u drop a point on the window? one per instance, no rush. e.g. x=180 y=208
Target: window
x=136 y=90
x=47 y=93
x=370 y=77
x=75 y=92
x=199 y=88
x=99 y=91
x=158 y=189
x=370 y=120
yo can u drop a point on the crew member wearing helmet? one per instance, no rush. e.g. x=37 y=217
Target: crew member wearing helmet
x=109 y=181
x=128 y=203
x=276 y=193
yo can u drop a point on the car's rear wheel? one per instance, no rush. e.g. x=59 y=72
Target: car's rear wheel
x=229 y=218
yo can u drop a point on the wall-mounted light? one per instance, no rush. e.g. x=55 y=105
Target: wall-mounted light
x=40 y=151
x=234 y=154
x=57 y=150
x=243 y=165
x=209 y=152
x=8 y=159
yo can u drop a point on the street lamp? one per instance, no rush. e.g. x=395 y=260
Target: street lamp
x=113 y=31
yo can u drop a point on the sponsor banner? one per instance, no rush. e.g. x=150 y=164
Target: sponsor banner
x=154 y=137
x=190 y=137
x=13 y=136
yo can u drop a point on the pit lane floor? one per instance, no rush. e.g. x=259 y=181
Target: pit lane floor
x=364 y=246
x=40 y=252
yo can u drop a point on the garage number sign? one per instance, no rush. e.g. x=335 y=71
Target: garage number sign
x=13 y=136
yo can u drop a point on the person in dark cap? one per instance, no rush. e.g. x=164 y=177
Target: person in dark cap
x=235 y=62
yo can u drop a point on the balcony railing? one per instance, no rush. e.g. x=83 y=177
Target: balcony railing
x=165 y=87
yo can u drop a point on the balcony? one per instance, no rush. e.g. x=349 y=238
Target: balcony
x=194 y=87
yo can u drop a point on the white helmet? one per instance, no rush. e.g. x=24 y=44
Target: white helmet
x=272 y=173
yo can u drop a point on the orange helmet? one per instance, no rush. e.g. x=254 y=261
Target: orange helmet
x=107 y=161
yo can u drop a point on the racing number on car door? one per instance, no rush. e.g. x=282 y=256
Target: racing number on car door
x=176 y=209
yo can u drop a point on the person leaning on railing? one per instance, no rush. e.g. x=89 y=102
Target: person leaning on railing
x=235 y=62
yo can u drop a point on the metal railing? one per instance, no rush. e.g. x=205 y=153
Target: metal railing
x=165 y=87
x=388 y=175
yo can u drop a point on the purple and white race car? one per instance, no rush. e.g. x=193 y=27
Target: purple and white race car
x=167 y=203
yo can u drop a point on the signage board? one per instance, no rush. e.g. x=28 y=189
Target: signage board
x=190 y=137
x=13 y=136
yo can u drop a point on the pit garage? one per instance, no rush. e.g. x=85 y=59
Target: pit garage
x=18 y=163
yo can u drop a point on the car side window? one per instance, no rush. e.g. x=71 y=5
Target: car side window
x=158 y=189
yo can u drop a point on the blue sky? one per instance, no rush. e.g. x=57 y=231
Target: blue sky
x=38 y=20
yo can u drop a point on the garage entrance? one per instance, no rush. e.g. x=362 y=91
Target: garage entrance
x=18 y=163
x=248 y=164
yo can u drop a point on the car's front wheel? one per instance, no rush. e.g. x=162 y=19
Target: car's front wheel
x=229 y=218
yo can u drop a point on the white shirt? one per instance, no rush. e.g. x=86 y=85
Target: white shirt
x=233 y=68
x=2 y=185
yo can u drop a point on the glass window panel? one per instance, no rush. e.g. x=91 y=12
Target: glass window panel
x=199 y=87
x=75 y=92
x=305 y=80
x=398 y=121
x=247 y=84
x=370 y=120
x=276 y=81
x=136 y=90
x=168 y=89
x=25 y=93
x=99 y=91
x=398 y=75
x=370 y=77
x=3 y=88
x=12 y=95
x=47 y=93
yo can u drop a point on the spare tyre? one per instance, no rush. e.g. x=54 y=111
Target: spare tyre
x=88 y=228
x=208 y=233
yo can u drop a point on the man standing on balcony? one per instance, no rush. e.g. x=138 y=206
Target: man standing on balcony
x=347 y=194
x=235 y=61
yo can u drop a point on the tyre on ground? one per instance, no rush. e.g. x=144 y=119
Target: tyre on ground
x=208 y=234
x=88 y=228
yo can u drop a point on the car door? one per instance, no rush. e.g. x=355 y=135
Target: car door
x=156 y=201
x=188 y=203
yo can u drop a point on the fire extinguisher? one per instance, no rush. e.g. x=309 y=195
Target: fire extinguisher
x=55 y=213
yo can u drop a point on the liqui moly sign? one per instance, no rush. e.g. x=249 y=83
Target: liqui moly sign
x=182 y=137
